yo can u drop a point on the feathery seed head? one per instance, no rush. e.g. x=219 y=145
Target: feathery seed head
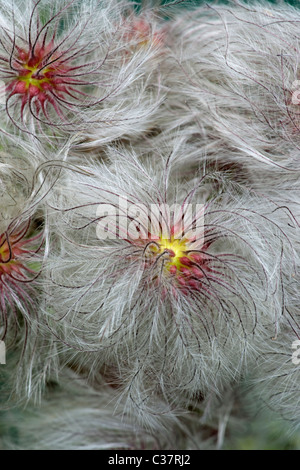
x=59 y=69
x=42 y=76
x=15 y=250
x=157 y=299
x=183 y=267
x=141 y=32
x=18 y=252
x=43 y=69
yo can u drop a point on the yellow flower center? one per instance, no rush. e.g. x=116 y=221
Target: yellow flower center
x=30 y=78
x=5 y=262
x=174 y=246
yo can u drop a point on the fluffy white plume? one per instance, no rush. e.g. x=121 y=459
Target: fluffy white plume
x=149 y=221
x=176 y=311
x=70 y=67
x=233 y=76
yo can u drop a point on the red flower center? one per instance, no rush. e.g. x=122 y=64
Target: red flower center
x=183 y=263
x=10 y=249
x=42 y=75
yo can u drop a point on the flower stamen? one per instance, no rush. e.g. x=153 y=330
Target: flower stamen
x=186 y=268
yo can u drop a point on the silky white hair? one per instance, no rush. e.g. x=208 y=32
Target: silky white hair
x=107 y=308
x=99 y=68
x=232 y=75
x=129 y=341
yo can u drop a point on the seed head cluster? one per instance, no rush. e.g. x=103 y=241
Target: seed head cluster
x=149 y=224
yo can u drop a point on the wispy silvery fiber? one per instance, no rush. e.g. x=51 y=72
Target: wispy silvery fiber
x=149 y=224
x=68 y=67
